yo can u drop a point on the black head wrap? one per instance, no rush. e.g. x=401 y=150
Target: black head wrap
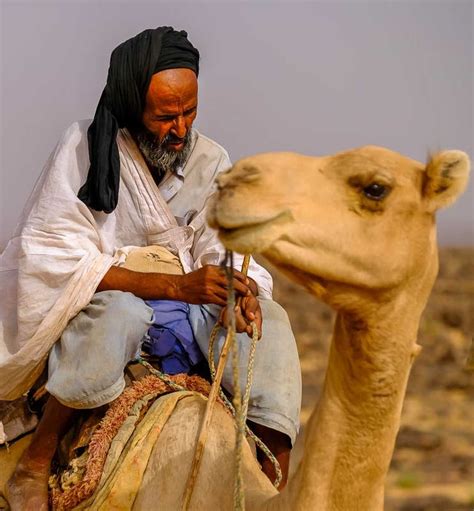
x=132 y=64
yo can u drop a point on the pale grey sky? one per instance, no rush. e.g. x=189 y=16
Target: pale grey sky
x=312 y=77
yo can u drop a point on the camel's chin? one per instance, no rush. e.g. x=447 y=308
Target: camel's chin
x=317 y=286
x=255 y=237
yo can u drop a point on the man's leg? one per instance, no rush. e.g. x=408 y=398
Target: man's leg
x=280 y=446
x=85 y=371
x=275 y=397
x=27 y=489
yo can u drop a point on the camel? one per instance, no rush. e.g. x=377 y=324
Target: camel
x=357 y=229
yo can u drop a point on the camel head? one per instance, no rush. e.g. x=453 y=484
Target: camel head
x=361 y=220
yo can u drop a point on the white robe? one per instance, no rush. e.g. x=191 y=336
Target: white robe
x=61 y=249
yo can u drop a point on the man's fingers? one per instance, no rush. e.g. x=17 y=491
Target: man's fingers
x=240 y=323
x=239 y=282
x=236 y=274
x=217 y=300
x=253 y=312
x=240 y=279
x=250 y=306
x=259 y=322
x=240 y=288
x=240 y=276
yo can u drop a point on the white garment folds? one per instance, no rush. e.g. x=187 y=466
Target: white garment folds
x=61 y=249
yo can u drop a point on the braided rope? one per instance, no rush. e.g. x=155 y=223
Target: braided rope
x=239 y=495
x=161 y=376
x=258 y=442
x=251 y=362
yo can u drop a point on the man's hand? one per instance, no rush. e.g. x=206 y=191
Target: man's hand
x=248 y=311
x=209 y=285
x=206 y=285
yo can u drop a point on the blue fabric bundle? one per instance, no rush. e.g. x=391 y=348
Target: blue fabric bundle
x=170 y=338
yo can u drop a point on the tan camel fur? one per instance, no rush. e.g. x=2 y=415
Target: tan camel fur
x=358 y=230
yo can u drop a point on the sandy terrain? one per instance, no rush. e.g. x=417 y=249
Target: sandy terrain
x=433 y=463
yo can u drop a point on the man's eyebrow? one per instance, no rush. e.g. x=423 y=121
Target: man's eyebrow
x=173 y=114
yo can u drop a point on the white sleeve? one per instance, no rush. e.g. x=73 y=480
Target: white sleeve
x=207 y=249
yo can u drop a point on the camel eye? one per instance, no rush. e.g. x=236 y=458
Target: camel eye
x=376 y=191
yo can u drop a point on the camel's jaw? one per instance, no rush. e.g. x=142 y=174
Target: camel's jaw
x=247 y=234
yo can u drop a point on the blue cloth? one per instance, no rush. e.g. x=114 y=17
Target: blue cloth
x=171 y=338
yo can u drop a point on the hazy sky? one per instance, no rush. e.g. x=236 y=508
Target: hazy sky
x=312 y=77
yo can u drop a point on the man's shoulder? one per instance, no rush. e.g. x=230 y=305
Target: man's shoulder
x=75 y=133
x=209 y=146
x=77 y=128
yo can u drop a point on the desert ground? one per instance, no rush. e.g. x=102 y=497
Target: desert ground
x=433 y=463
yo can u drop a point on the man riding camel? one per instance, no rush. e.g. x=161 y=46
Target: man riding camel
x=139 y=175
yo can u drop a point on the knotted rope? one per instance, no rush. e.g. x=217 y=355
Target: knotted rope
x=258 y=442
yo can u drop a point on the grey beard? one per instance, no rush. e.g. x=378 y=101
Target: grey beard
x=157 y=156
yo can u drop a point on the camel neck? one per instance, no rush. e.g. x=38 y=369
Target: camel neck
x=352 y=432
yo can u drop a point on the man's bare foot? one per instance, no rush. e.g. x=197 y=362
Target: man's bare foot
x=27 y=488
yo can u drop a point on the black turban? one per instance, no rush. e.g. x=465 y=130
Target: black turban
x=132 y=64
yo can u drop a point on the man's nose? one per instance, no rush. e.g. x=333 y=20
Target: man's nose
x=179 y=128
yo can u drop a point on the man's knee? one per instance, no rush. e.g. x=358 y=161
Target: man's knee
x=274 y=310
x=121 y=306
x=275 y=396
x=86 y=365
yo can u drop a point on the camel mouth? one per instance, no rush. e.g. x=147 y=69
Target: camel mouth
x=261 y=231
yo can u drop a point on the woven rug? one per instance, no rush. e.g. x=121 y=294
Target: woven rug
x=86 y=475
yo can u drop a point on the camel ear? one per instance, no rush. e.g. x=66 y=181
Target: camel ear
x=445 y=178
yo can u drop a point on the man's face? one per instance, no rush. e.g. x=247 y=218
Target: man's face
x=170 y=109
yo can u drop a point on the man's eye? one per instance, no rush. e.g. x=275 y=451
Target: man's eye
x=376 y=191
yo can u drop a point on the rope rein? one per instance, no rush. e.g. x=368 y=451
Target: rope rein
x=239 y=495
x=258 y=442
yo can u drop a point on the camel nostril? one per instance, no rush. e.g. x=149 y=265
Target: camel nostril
x=220 y=182
x=250 y=174
x=238 y=175
x=223 y=178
